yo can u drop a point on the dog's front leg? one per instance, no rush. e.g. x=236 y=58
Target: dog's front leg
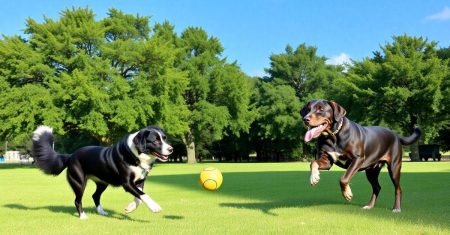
x=132 y=206
x=152 y=205
x=345 y=179
x=323 y=163
x=133 y=189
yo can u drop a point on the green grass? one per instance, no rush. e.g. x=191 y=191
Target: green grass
x=256 y=198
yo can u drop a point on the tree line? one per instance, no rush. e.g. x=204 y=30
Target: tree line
x=94 y=81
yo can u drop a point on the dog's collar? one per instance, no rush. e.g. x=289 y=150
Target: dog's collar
x=339 y=127
x=144 y=170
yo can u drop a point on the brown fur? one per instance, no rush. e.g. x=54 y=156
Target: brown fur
x=355 y=148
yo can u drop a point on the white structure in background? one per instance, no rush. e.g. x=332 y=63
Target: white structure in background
x=12 y=156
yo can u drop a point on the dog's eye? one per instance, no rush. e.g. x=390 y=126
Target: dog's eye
x=157 y=140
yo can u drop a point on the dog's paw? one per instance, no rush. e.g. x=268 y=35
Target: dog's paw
x=347 y=193
x=397 y=210
x=152 y=205
x=100 y=210
x=367 y=208
x=314 y=178
x=83 y=216
x=131 y=207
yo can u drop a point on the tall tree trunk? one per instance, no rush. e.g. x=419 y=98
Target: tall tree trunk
x=415 y=152
x=189 y=141
x=415 y=146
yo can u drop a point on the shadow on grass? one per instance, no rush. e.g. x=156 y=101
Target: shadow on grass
x=174 y=217
x=70 y=210
x=16 y=165
x=425 y=195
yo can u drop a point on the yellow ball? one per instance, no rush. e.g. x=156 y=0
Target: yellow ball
x=210 y=178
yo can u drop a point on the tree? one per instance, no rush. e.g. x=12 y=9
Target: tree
x=309 y=76
x=276 y=132
x=400 y=87
x=444 y=133
x=24 y=103
x=104 y=78
x=95 y=78
x=218 y=93
x=304 y=71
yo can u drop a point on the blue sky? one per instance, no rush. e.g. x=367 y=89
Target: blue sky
x=252 y=30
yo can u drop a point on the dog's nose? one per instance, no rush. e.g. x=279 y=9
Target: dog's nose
x=170 y=149
x=306 y=119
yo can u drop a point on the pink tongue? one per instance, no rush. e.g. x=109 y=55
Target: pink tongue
x=314 y=132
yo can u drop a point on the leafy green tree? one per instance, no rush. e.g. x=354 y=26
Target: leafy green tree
x=79 y=75
x=104 y=78
x=24 y=103
x=308 y=74
x=218 y=93
x=304 y=71
x=444 y=133
x=276 y=132
x=92 y=84
x=401 y=86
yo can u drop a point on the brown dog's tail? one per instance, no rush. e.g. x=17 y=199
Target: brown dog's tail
x=412 y=138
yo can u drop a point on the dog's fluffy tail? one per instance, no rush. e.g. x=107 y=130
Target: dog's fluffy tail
x=412 y=138
x=49 y=161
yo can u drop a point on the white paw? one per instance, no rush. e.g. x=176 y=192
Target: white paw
x=154 y=207
x=396 y=210
x=367 y=208
x=100 y=210
x=347 y=193
x=131 y=207
x=83 y=216
x=314 y=178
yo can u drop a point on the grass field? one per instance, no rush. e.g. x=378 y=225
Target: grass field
x=255 y=198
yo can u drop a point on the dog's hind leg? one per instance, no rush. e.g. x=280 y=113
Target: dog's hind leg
x=372 y=175
x=96 y=196
x=77 y=181
x=394 y=172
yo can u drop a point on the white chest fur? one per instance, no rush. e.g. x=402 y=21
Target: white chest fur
x=336 y=156
x=144 y=166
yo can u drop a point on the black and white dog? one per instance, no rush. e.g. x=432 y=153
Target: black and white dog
x=125 y=164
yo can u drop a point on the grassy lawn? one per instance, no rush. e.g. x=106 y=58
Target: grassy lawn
x=255 y=198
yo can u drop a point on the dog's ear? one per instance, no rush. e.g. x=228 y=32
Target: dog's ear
x=338 y=111
x=139 y=141
x=305 y=110
x=142 y=138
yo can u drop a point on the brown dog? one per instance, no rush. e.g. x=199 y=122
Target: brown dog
x=353 y=147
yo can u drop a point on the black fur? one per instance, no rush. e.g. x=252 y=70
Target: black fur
x=49 y=161
x=117 y=165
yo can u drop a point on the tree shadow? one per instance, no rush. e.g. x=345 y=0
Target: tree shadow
x=70 y=210
x=17 y=165
x=425 y=195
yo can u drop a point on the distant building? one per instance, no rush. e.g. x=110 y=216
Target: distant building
x=12 y=156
